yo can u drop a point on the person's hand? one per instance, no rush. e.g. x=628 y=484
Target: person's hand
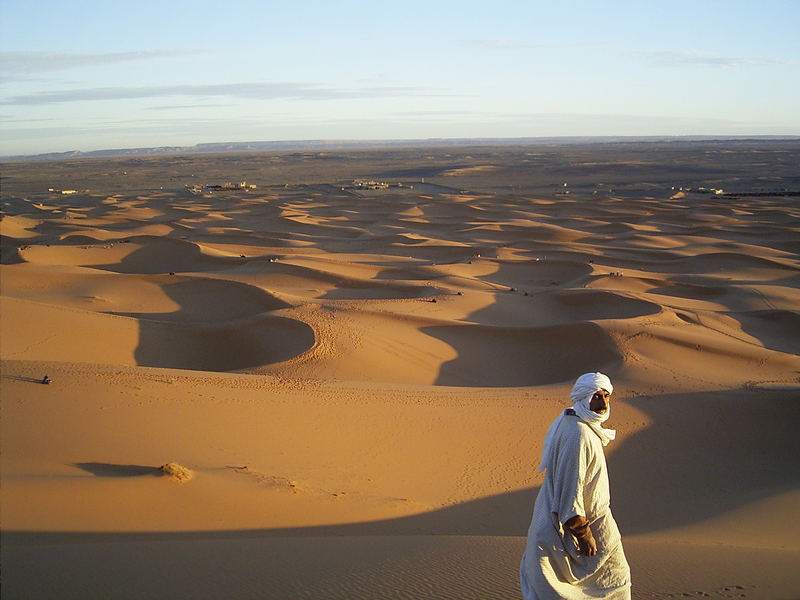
x=587 y=546
x=579 y=527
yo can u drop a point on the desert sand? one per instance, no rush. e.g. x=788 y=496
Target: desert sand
x=359 y=381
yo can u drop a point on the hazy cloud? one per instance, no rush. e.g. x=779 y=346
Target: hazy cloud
x=418 y=113
x=112 y=128
x=250 y=91
x=11 y=119
x=184 y=106
x=27 y=62
x=617 y=118
x=501 y=44
x=686 y=58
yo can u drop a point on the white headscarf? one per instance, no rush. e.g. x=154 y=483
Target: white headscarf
x=581 y=396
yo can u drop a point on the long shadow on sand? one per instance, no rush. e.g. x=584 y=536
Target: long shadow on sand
x=99 y=469
x=739 y=445
x=25 y=379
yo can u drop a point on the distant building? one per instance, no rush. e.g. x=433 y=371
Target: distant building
x=370 y=184
x=242 y=185
x=704 y=190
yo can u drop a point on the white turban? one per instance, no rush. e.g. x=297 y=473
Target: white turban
x=583 y=391
x=581 y=396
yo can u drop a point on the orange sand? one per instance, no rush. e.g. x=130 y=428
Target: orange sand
x=361 y=384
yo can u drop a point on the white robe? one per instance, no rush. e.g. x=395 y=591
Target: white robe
x=575 y=484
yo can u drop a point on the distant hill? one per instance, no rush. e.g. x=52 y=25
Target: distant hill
x=224 y=147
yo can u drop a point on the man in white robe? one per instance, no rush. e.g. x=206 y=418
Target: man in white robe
x=574 y=549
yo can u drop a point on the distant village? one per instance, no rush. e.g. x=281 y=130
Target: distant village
x=757 y=192
x=700 y=190
x=359 y=185
x=227 y=186
x=370 y=184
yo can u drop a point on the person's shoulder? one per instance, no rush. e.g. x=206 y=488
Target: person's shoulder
x=572 y=425
x=575 y=430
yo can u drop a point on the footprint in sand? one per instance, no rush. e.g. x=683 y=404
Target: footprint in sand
x=270 y=481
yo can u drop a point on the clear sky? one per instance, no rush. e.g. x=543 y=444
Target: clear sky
x=94 y=74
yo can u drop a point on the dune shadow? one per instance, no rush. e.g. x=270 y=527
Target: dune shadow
x=539 y=273
x=705 y=453
x=99 y=469
x=212 y=300
x=776 y=329
x=354 y=290
x=561 y=307
x=9 y=251
x=489 y=356
x=227 y=346
x=219 y=326
x=158 y=255
x=408 y=273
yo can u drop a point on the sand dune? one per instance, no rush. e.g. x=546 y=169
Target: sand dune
x=34 y=331
x=360 y=383
x=155 y=297
x=18 y=227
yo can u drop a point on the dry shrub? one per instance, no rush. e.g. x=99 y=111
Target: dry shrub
x=176 y=472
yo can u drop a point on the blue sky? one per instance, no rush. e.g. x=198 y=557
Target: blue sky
x=88 y=75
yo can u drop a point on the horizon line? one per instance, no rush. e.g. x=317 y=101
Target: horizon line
x=354 y=143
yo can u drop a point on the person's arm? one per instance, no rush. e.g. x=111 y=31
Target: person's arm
x=578 y=526
x=574 y=459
